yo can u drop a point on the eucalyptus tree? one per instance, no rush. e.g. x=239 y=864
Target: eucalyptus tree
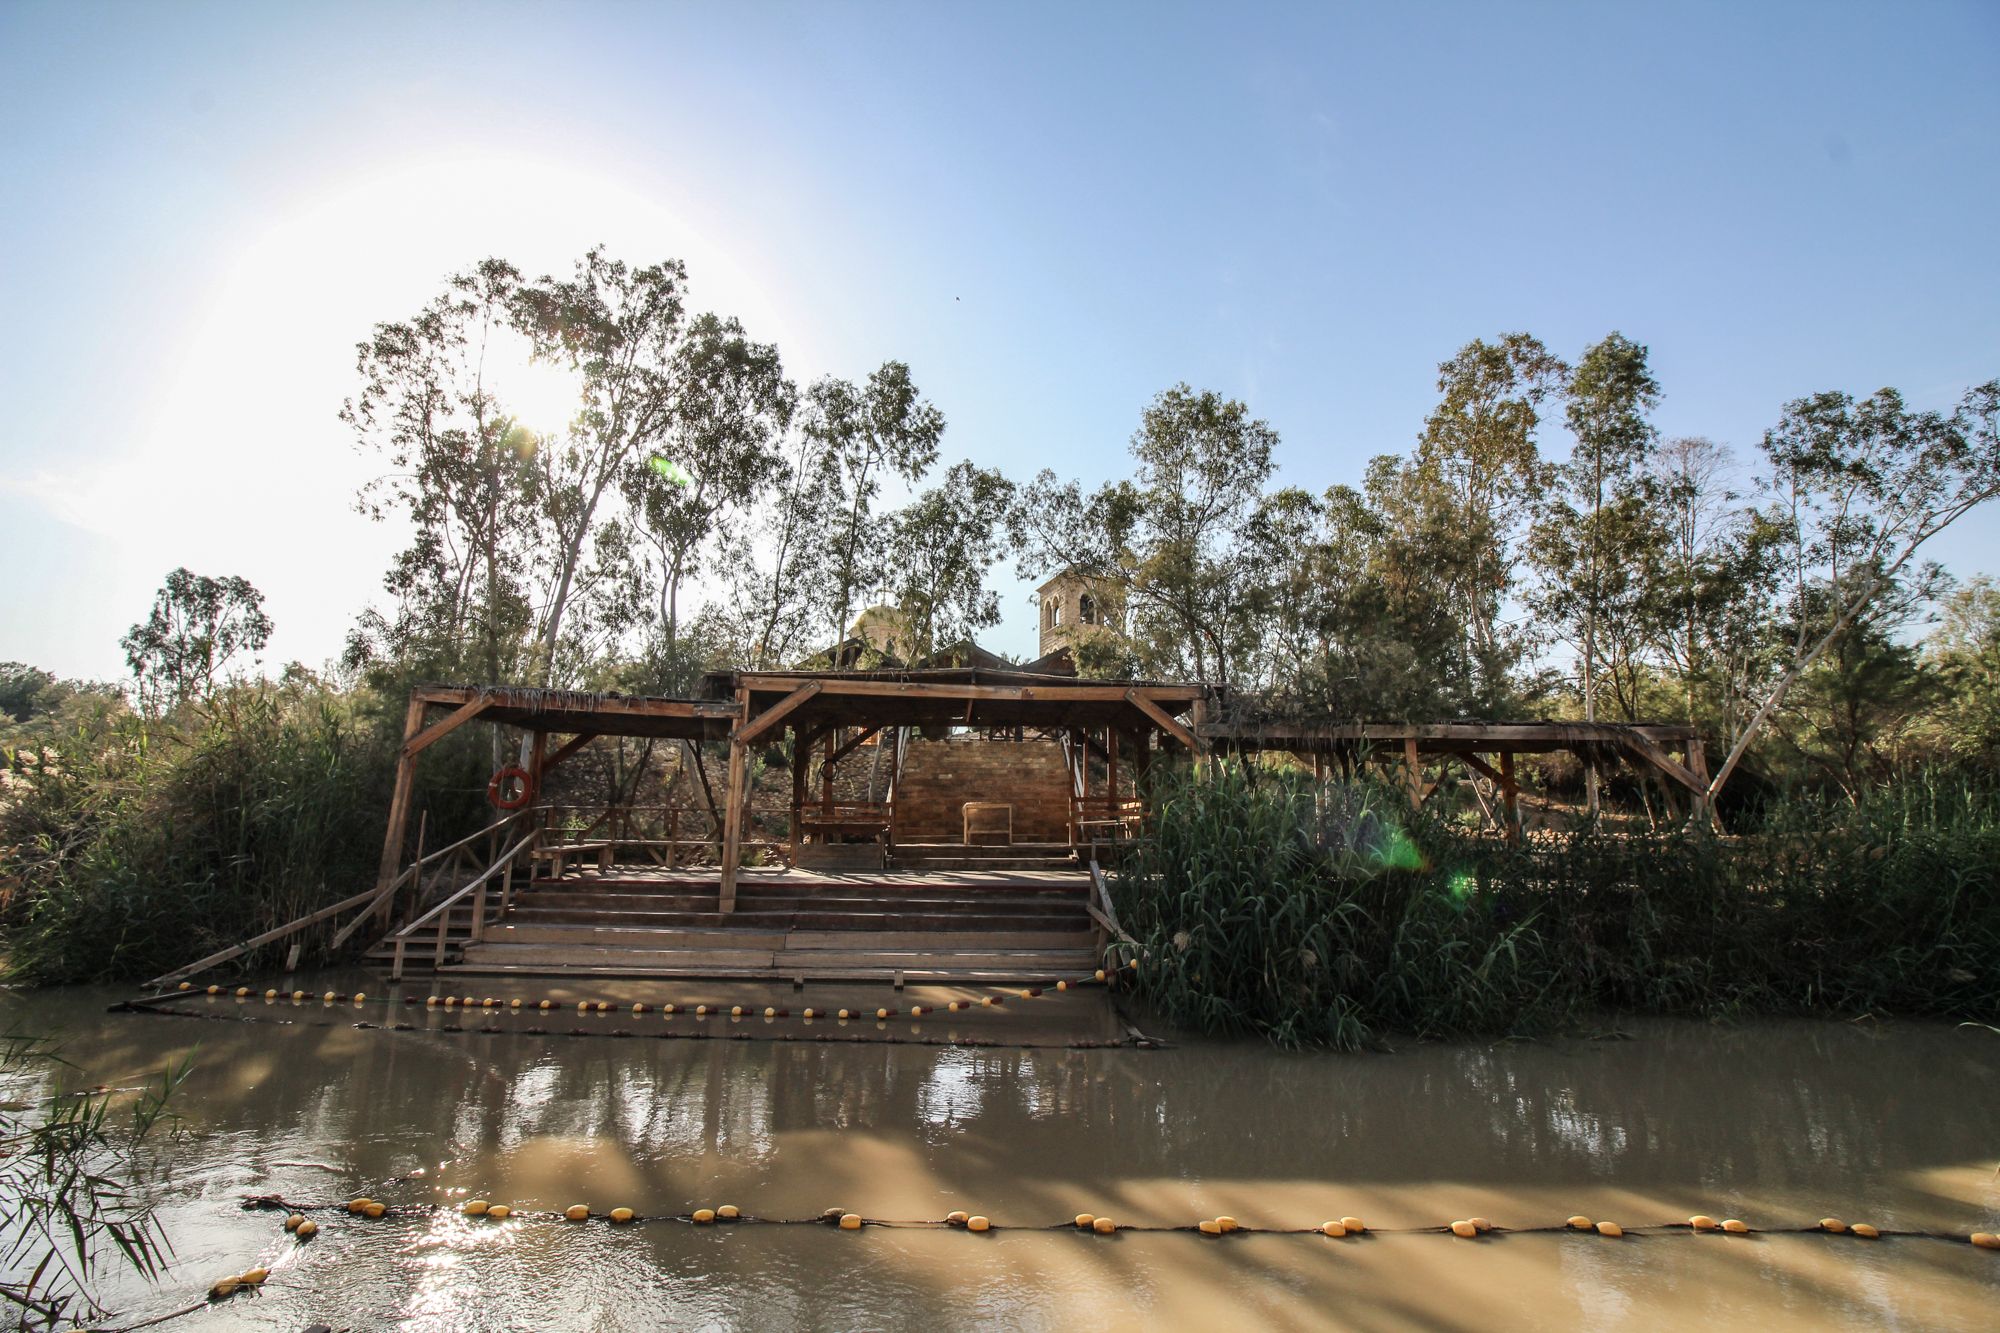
x=1861 y=486
x=1476 y=474
x=460 y=472
x=198 y=626
x=715 y=458
x=940 y=547
x=1597 y=519
x=865 y=433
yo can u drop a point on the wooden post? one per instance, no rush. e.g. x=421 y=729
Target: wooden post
x=732 y=827
x=1510 y=791
x=801 y=748
x=1416 y=772
x=399 y=803
x=826 y=776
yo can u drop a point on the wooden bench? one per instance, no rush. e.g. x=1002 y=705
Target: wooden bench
x=989 y=819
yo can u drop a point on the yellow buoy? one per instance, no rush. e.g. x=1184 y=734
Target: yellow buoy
x=639 y=1008
x=187 y=985
x=701 y=1011
x=1332 y=1229
x=1611 y=1229
x=955 y=1006
x=359 y=1205
x=270 y=995
x=811 y=1013
x=431 y=1002
x=306 y=1228
x=703 y=1216
x=1226 y=1222
x=957 y=1218
x=215 y=990
x=292 y=1222
x=1481 y=1223
x=1210 y=1228
x=359 y=997
x=224 y=1289
x=1865 y=1231
x=1833 y=1224
x=881 y=1013
x=499 y=1212
x=1083 y=1220
x=514 y=1003
x=1579 y=1223
x=546 y=1004
x=977 y=1224
x=1734 y=1227
x=622 y=1215
x=298 y=995
x=1464 y=1229
x=729 y=1212
x=375 y=1210
x=474 y=1207
x=1354 y=1224
x=736 y=1011
x=330 y=997
x=1104 y=1226
x=1062 y=985
x=583 y=1006
x=1986 y=1240
x=577 y=1212
x=986 y=1001
x=242 y=991
x=852 y=1222
x=668 y=1009
x=488 y=1003
x=1703 y=1222
x=769 y=1012
x=846 y=1014
x=255 y=1277
x=1099 y=975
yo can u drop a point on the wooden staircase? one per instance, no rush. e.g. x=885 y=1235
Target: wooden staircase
x=994 y=919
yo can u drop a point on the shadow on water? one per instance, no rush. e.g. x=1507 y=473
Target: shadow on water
x=1780 y=1123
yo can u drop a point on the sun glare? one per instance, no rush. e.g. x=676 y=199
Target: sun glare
x=541 y=395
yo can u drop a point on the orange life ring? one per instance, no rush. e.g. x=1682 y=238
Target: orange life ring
x=510 y=774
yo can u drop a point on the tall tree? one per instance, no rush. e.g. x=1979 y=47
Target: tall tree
x=461 y=472
x=941 y=546
x=1596 y=517
x=198 y=627
x=1475 y=476
x=866 y=433
x=1861 y=487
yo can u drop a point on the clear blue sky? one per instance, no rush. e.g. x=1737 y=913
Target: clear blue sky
x=1050 y=211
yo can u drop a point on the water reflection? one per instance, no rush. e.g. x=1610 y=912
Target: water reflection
x=1778 y=1122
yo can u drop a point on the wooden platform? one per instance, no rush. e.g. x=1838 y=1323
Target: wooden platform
x=963 y=925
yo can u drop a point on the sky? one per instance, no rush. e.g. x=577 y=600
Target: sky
x=1051 y=212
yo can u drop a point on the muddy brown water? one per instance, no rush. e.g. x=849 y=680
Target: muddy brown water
x=1776 y=1123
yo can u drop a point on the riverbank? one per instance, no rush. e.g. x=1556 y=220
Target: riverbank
x=1778 y=1123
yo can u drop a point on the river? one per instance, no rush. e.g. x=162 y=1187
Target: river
x=1776 y=1123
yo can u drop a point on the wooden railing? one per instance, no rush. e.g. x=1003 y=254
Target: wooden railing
x=476 y=897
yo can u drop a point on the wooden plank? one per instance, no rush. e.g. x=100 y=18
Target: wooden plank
x=257 y=941
x=775 y=714
x=568 y=748
x=859 y=738
x=1511 y=790
x=1164 y=721
x=399 y=800
x=1649 y=752
x=907 y=689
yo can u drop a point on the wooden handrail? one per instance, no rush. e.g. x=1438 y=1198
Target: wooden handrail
x=484 y=875
x=258 y=941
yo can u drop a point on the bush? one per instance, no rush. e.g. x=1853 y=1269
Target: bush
x=1331 y=918
x=130 y=848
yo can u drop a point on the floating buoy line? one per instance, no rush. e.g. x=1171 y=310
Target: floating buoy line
x=767 y=1019
x=1352 y=1228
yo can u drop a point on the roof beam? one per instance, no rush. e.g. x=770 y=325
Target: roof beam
x=775 y=714
x=438 y=730
x=1164 y=721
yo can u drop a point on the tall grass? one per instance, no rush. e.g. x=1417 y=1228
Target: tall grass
x=1337 y=916
x=133 y=847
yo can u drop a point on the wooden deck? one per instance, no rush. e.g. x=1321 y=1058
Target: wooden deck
x=961 y=925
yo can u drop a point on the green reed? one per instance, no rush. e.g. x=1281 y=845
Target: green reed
x=1337 y=916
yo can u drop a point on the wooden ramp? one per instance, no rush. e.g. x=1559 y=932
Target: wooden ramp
x=963 y=925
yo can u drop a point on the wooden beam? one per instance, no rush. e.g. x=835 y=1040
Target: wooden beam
x=438 y=730
x=1415 y=772
x=910 y=689
x=1510 y=789
x=775 y=714
x=1645 y=748
x=568 y=748
x=859 y=738
x=1164 y=721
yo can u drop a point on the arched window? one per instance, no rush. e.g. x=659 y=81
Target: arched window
x=1086 y=610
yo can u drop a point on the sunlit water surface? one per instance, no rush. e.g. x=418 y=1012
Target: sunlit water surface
x=1777 y=1123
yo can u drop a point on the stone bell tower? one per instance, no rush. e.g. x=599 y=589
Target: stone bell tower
x=1075 y=605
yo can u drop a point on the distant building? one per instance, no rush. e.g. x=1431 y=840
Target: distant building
x=1075 y=606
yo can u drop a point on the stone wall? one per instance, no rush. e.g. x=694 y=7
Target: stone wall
x=940 y=776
